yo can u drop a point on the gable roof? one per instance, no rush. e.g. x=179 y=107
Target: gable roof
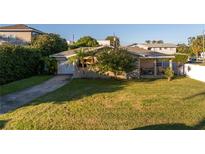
x=143 y=53
x=70 y=53
x=19 y=28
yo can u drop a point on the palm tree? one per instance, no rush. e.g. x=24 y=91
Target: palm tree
x=80 y=55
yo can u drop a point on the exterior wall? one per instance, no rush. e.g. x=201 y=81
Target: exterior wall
x=24 y=36
x=104 y=42
x=195 y=71
x=142 y=46
x=170 y=51
x=161 y=50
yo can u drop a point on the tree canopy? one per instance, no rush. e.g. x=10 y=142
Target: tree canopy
x=116 y=61
x=86 y=41
x=196 y=44
x=49 y=43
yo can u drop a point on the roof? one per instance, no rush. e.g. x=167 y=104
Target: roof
x=143 y=53
x=159 y=45
x=19 y=27
x=70 y=53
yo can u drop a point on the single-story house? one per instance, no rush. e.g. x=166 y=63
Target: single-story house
x=148 y=63
x=165 y=48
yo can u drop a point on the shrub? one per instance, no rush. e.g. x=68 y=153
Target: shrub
x=169 y=73
x=18 y=62
x=50 y=65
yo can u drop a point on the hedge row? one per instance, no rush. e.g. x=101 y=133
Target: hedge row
x=18 y=62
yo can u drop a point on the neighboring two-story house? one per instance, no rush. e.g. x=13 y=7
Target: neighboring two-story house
x=17 y=34
x=165 y=48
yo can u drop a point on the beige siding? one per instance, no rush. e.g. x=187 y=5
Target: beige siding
x=24 y=36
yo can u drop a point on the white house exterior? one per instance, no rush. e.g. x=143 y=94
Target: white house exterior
x=104 y=42
x=165 y=48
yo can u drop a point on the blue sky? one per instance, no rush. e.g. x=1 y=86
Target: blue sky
x=128 y=33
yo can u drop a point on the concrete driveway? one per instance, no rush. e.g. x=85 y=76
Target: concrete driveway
x=12 y=101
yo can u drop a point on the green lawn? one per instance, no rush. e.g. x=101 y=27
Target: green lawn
x=22 y=84
x=109 y=104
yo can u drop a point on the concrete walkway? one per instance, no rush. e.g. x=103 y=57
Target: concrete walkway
x=12 y=101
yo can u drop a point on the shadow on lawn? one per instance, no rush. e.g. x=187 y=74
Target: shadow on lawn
x=79 y=88
x=176 y=126
x=195 y=95
x=3 y=123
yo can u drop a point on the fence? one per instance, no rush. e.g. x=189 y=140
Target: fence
x=195 y=71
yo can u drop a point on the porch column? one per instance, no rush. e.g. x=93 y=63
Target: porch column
x=155 y=67
x=170 y=64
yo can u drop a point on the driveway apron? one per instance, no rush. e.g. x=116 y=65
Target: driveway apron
x=12 y=101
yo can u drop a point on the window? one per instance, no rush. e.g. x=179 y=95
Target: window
x=159 y=64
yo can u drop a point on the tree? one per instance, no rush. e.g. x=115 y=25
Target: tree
x=197 y=45
x=160 y=41
x=148 y=41
x=49 y=43
x=114 y=41
x=116 y=61
x=154 y=41
x=183 y=48
x=85 y=41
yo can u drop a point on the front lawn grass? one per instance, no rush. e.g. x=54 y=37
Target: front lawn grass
x=22 y=84
x=111 y=104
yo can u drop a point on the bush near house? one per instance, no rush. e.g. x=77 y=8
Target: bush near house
x=18 y=62
x=169 y=74
x=50 y=65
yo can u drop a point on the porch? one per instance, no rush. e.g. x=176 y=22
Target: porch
x=153 y=67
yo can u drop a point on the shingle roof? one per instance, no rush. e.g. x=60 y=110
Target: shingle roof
x=147 y=53
x=18 y=27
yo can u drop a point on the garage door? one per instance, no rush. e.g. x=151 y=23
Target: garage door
x=64 y=67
